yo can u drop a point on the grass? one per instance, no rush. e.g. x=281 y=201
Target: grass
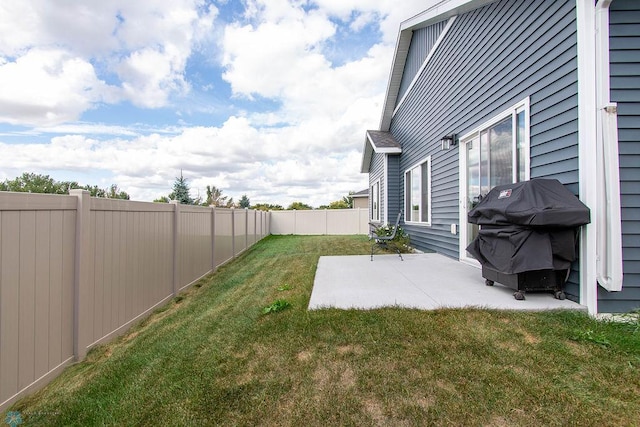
x=213 y=358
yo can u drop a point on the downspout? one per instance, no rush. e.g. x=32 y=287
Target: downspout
x=609 y=229
x=587 y=149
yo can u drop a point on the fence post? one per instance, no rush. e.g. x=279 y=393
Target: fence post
x=82 y=274
x=176 y=246
x=233 y=231
x=246 y=228
x=213 y=238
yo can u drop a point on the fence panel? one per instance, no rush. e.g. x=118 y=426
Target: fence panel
x=77 y=271
x=195 y=243
x=239 y=231
x=283 y=222
x=131 y=259
x=314 y=222
x=251 y=227
x=37 y=245
x=223 y=236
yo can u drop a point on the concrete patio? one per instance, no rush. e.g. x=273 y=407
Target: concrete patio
x=424 y=281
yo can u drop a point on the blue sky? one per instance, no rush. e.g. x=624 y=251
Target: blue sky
x=268 y=98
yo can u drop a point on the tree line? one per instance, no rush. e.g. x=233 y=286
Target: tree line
x=181 y=192
x=36 y=183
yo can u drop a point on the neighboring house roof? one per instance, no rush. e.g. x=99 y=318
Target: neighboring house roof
x=378 y=142
x=436 y=12
x=361 y=193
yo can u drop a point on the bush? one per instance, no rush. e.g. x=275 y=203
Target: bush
x=401 y=239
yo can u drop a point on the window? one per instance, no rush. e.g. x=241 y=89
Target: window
x=417 y=193
x=495 y=153
x=375 y=201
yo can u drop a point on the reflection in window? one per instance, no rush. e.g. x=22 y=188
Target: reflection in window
x=418 y=193
x=375 y=201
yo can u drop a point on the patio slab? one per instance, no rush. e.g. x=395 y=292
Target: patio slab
x=423 y=281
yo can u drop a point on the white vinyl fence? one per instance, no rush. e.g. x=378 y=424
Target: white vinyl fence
x=316 y=222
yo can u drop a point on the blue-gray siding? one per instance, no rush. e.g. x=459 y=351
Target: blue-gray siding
x=376 y=172
x=422 y=41
x=624 y=36
x=492 y=58
x=394 y=197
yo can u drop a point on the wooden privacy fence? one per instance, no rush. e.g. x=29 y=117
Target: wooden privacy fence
x=76 y=271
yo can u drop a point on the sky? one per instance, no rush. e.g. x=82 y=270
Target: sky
x=265 y=98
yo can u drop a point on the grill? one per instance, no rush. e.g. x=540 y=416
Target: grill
x=527 y=235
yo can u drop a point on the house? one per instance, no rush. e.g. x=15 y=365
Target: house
x=486 y=92
x=361 y=199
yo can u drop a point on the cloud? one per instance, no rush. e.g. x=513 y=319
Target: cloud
x=48 y=87
x=63 y=52
x=306 y=146
x=266 y=164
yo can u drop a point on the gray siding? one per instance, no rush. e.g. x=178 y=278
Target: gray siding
x=624 y=37
x=422 y=42
x=394 y=200
x=492 y=58
x=376 y=172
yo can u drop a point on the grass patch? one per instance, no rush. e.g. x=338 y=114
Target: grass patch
x=213 y=358
x=276 y=306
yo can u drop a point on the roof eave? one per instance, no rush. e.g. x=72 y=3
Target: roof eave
x=440 y=10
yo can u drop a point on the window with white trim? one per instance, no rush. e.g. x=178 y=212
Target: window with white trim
x=375 y=201
x=417 y=193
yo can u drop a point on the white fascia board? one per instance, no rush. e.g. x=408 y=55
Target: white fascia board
x=383 y=150
x=438 y=11
x=434 y=48
x=367 y=154
x=369 y=149
x=395 y=78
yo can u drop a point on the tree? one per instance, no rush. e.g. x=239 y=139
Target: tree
x=215 y=197
x=162 y=199
x=244 y=201
x=344 y=203
x=113 y=192
x=267 y=207
x=299 y=206
x=181 y=191
x=37 y=183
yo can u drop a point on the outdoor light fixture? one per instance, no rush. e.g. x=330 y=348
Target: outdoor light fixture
x=449 y=141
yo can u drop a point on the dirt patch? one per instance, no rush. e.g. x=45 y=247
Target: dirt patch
x=577 y=349
x=347 y=378
x=448 y=387
x=374 y=409
x=529 y=338
x=304 y=356
x=350 y=349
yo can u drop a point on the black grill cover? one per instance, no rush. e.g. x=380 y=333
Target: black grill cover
x=516 y=249
x=535 y=203
x=530 y=225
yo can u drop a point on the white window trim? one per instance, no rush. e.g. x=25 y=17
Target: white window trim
x=512 y=111
x=407 y=215
x=377 y=181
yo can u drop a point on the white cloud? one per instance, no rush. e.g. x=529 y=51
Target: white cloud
x=48 y=87
x=141 y=48
x=269 y=165
x=306 y=149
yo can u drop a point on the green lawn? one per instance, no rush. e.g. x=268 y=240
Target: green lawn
x=212 y=357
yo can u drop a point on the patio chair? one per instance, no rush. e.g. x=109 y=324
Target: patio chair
x=385 y=242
